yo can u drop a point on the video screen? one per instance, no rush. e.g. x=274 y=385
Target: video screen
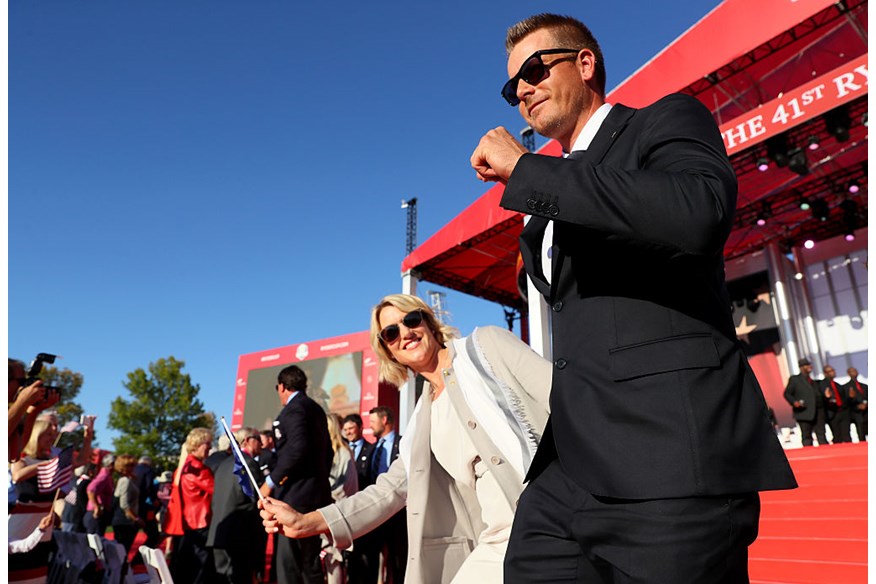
x=334 y=382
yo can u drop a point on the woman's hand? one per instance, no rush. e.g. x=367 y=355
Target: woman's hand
x=278 y=516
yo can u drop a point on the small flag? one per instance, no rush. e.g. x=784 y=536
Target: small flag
x=70 y=426
x=56 y=473
x=241 y=470
x=242 y=479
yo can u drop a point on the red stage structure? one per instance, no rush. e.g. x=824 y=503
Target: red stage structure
x=787 y=83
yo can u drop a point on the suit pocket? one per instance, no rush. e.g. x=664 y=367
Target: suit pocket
x=444 y=556
x=692 y=351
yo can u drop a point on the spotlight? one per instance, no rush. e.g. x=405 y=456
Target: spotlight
x=777 y=149
x=766 y=212
x=808 y=244
x=799 y=275
x=820 y=210
x=797 y=161
x=854 y=187
x=804 y=204
x=763 y=164
x=850 y=237
x=837 y=123
x=813 y=143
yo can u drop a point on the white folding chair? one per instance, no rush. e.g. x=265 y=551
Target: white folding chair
x=156 y=565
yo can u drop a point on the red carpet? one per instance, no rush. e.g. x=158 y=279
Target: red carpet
x=816 y=534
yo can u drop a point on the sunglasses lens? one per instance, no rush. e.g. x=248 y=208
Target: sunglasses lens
x=390 y=333
x=413 y=319
x=533 y=70
x=509 y=92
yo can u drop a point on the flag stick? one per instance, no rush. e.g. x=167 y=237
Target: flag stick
x=236 y=449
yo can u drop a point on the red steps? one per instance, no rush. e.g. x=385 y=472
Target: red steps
x=817 y=533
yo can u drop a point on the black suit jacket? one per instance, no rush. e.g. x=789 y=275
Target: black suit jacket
x=652 y=395
x=368 y=461
x=834 y=394
x=363 y=464
x=801 y=388
x=236 y=523
x=304 y=455
x=860 y=392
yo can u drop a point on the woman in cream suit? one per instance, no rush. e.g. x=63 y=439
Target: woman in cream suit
x=463 y=456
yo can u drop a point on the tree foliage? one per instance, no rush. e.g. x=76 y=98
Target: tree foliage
x=70 y=383
x=163 y=409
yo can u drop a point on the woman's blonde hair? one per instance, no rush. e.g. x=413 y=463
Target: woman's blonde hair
x=390 y=369
x=40 y=427
x=197 y=437
x=334 y=428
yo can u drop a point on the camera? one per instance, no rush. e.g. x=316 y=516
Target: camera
x=36 y=366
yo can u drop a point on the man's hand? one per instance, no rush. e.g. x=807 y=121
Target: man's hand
x=265 y=489
x=47 y=521
x=277 y=516
x=496 y=156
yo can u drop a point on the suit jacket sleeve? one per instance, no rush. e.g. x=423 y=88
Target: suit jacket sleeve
x=670 y=185
x=354 y=516
x=292 y=445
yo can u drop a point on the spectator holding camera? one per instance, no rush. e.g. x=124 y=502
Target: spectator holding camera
x=26 y=401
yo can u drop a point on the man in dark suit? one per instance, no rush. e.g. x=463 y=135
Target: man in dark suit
x=360 y=448
x=807 y=401
x=392 y=536
x=236 y=534
x=300 y=477
x=837 y=406
x=363 y=560
x=659 y=436
x=858 y=395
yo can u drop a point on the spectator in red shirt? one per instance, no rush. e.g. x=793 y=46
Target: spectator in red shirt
x=192 y=563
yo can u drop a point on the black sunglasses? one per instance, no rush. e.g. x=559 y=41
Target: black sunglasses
x=532 y=71
x=391 y=332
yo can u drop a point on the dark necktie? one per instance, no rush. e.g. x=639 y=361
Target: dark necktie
x=378 y=464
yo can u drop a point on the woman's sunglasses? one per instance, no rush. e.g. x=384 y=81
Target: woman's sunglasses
x=532 y=71
x=391 y=332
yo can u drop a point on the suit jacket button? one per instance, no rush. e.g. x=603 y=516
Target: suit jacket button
x=560 y=363
x=472 y=424
x=558 y=305
x=530 y=204
x=553 y=210
x=495 y=460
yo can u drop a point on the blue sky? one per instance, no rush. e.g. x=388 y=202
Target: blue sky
x=207 y=179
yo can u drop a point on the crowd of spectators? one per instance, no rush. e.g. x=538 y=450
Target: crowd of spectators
x=198 y=513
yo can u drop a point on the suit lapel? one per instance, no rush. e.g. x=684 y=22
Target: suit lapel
x=617 y=119
x=531 y=239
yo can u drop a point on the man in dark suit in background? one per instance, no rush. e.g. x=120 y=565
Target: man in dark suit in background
x=807 y=402
x=837 y=406
x=858 y=395
x=363 y=560
x=144 y=476
x=659 y=436
x=236 y=534
x=300 y=477
x=393 y=534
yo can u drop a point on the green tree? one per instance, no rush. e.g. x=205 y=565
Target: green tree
x=70 y=383
x=163 y=410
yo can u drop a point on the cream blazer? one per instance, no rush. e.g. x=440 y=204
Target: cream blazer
x=444 y=517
